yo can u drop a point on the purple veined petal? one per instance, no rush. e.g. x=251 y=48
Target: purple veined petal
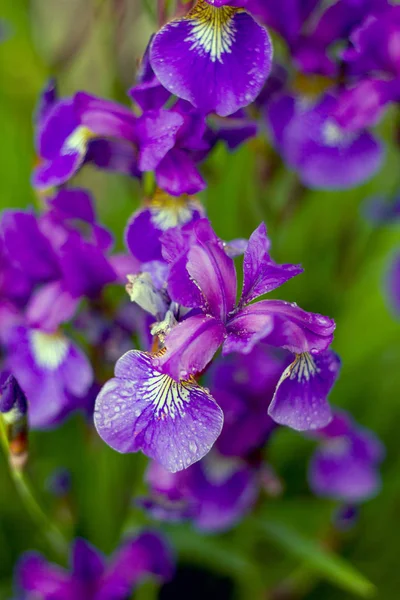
x=216 y=58
x=190 y=346
x=294 y=329
x=38 y=577
x=175 y=423
x=87 y=564
x=156 y=132
x=300 y=399
x=393 y=284
x=261 y=274
x=213 y=271
x=50 y=306
x=177 y=174
x=246 y=328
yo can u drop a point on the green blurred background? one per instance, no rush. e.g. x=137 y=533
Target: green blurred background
x=95 y=46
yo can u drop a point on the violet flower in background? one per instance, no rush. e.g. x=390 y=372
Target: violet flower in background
x=345 y=464
x=214 y=494
x=313 y=143
x=91 y=576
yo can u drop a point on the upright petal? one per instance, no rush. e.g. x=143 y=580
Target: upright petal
x=217 y=58
x=176 y=423
x=261 y=274
x=300 y=399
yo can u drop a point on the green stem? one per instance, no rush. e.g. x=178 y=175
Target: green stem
x=47 y=528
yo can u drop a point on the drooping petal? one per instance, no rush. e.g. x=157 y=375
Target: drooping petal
x=261 y=274
x=300 y=399
x=293 y=328
x=176 y=423
x=217 y=58
x=246 y=328
x=191 y=345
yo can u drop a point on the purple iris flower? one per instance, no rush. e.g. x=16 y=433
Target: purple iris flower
x=141 y=408
x=345 y=465
x=375 y=47
x=162 y=212
x=214 y=494
x=313 y=143
x=169 y=142
x=67 y=130
x=203 y=277
x=52 y=371
x=217 y=56
x=90 y=576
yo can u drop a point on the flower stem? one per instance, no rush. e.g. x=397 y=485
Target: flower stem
x=47 y=528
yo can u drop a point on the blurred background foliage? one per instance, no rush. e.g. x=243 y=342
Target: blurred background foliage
x=95 y=45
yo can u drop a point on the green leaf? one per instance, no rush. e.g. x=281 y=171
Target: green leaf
x=323 y=562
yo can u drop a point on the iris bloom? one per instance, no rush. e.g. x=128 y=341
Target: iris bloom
x=217 y=57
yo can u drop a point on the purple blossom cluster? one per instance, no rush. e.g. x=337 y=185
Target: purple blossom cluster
x=217 y=367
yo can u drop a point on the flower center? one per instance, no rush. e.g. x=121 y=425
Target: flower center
x=77 y=141
x=303 y=367
x=49 y=349
x=213 y=29
x=168 y=212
